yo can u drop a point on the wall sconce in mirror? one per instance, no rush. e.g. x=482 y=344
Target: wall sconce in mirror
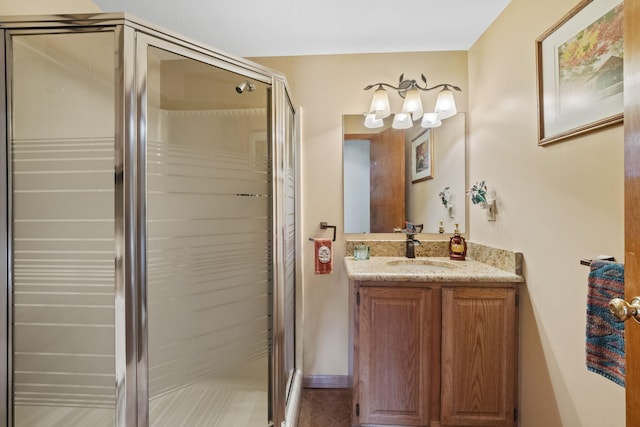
x=412 y=109
x=447 y=197
x=480 y=196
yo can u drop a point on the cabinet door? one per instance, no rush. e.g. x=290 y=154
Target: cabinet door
x=478 y=357
x=394 y=356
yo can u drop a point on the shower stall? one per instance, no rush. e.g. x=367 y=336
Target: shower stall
x=151 y=251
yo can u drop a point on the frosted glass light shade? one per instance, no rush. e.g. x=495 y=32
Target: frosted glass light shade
x=371 y=122
x=413 y=104
x=430 y=120
x=402 y=121
x=445 y=105
x=380 y=104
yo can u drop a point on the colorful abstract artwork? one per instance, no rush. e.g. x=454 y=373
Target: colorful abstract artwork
x=590 y=63
x=580 y=71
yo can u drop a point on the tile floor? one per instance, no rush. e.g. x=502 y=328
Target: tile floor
x=325 y=407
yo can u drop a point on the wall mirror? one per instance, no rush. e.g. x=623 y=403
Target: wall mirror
x=391 y=176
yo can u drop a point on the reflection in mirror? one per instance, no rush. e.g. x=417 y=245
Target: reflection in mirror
x=384 y=185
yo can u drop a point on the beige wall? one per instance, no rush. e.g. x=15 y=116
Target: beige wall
x=41 y=7
x=556 y=204
x=326 y=87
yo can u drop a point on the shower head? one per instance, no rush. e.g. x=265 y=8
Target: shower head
x=245 y=85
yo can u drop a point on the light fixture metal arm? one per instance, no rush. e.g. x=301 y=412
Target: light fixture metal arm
x=380 y=86
x=407 y=84
x=444 y=86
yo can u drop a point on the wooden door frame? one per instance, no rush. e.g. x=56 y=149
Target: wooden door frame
x=632 y=201
x=392 y=212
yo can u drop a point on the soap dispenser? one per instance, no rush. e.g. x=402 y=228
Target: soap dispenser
x=457 y=246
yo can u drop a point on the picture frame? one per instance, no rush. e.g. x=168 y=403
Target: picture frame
x=422 y=157
x=579 y=71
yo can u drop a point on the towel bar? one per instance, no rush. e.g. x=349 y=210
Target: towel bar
x=587 y=261
x=324 y=226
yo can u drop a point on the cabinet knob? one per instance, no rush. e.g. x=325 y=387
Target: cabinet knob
x=623 y=310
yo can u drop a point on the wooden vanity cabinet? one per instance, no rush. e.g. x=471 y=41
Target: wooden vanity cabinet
x=431 y=355
x=396 y=355
x=478 y=363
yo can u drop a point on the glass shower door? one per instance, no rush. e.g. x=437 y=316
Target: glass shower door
x=62 y=228
x=208 y=244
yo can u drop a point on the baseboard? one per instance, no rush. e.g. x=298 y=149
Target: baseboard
x=325 y=381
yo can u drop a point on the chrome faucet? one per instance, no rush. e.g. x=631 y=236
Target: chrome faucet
x=411 y=245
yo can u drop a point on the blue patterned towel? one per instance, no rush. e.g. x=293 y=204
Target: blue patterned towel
x=605 y=334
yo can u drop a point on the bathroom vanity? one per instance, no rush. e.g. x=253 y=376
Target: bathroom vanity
x=434 y=342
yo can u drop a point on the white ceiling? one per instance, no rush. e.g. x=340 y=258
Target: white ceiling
x=311 y=27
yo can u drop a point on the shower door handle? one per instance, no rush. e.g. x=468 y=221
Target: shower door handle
x=623 y=310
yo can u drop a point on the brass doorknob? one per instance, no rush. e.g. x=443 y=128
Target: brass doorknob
x=623 y=310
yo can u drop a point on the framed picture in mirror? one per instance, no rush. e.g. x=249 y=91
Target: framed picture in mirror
x=422 y=157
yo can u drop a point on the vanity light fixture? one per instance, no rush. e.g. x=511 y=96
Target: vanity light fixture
x=430 y=120
x=371 y=122
x=412 y=107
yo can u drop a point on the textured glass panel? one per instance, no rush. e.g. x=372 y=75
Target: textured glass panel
x=208 y=245
x=62 y=159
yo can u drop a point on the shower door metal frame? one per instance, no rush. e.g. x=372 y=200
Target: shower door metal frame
x=132 y=36
x=143 y=42
x=16 y=28
x=5 y=296
x=129 y=245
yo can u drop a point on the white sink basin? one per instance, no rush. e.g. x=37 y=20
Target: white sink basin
x=421 y=265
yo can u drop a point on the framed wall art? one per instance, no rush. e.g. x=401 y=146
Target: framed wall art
x=580 y=71
x=422 y=157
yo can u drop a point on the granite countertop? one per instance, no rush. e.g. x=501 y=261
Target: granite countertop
x=438 y=269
